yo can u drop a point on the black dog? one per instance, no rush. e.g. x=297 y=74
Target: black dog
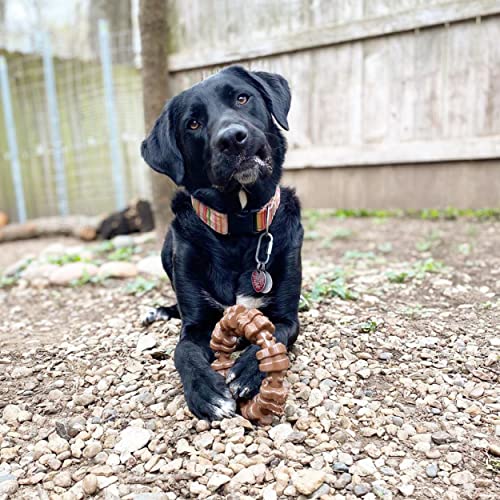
x=218 y=140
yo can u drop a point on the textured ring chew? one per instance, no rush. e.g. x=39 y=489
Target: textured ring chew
x=238 y=321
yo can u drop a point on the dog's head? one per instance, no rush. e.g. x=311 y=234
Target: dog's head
x=220 y=133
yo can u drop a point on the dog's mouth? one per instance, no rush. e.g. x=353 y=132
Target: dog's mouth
x=249 y=168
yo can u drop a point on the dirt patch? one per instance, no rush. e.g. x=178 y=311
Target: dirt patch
x=394 y=378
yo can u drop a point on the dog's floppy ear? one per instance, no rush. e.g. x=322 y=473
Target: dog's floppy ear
x=276 y=92
x=160 y=150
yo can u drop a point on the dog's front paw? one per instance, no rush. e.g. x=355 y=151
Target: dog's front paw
x=208 y=396
x=245 y=378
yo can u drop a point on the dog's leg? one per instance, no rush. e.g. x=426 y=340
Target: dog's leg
x=206 y=392
x=161 y=314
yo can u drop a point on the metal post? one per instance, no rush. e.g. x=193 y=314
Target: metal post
x=113 y=128
x=10 y=126
x=54 y=124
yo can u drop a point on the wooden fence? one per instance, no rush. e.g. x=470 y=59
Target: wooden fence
x=396 y=103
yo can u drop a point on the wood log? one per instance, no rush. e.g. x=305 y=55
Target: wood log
x=4 y=219
x=136 y=218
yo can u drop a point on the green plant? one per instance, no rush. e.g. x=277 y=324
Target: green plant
x=61 y=260
x=328 y=285
x=419 y=270
x=124 y=253
x=140 y=286
x=7 y=281
x=86 y=278
x=356 y=255
x=368 y=326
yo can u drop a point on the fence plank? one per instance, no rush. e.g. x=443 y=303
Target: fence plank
x=483 y=148
x=421 y=17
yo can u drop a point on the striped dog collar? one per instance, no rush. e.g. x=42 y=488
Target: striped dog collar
x=247 y=221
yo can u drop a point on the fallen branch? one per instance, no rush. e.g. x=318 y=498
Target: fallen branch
x=136 y=218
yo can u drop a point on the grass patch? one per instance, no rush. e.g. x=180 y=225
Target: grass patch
x=327 y=285
x=140 y=286
x=123 y=254
x=418 y=271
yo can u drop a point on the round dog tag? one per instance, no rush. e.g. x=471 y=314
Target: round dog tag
x=259 y=280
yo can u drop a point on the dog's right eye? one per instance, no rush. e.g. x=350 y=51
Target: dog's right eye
x=194 y=124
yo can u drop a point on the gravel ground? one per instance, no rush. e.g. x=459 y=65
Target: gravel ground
x=394 y=378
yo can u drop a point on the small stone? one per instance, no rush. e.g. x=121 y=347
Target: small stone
x=462 y=477
x=364 y=467
x=151 y=265
x=431 y=470
x=21 y=372
x=307 y=481
x=8 y=485
x=216 y=481
x=343 y=480
x=24 y=416
x=361 y=489
x=133 y=439
x=364 y=373
x=84 y=399
x=406 y=489
x=63 y=479
x=10 y=413
x=123 y=241
x=89 y=484
x=92 y=449
x=146 y=342
x=118 y=269
x=340 y=467
x=494 y=449
x=385 y=356
x=244 y=476
x=203 y=440
x=441 y=437
x=269 y=493
x=57 y=444
x=279 y=433
x=315 y=398
x=69 y=273
x=453 y=457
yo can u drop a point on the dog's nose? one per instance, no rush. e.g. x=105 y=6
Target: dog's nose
x=232 y=139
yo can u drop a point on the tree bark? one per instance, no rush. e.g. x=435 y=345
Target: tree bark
x=153 y=27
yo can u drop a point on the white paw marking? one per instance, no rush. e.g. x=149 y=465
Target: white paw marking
x=250 y=302
x=225 y=408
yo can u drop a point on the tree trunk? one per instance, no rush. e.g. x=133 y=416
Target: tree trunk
x=153 y=26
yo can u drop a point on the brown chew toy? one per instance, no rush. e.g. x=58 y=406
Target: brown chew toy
x=238 y=321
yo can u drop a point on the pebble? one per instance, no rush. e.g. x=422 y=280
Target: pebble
x=69 y=273
x=146 y=342
x=8 y=484
x=361 y=489
x=10 y=413
x=364 y=467
x=118 y=269
x=89 y=484
x=63 y=479
x=216 y=481
x=133 y=439
x=431 y=470
x=151 y=266
x=441 y=437
x=308 y=480
x=280 y=433
x=315 y=398
x=406 y=489
x=462 y=477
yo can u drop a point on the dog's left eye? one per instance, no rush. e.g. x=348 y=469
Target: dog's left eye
x=243 y=98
